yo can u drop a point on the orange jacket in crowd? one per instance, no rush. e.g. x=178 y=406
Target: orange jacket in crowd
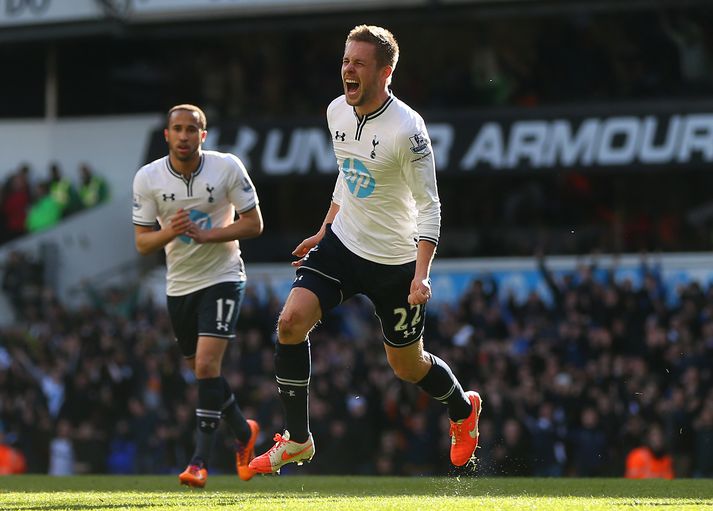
x=642 y=464
x=11 y=461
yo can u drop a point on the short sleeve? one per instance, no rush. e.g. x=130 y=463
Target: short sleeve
x=241 y=191
x=144 y=211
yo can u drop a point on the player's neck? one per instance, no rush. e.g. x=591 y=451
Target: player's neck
x=373 y=105
x=187 y=167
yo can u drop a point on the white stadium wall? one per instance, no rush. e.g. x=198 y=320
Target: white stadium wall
x=113 y=146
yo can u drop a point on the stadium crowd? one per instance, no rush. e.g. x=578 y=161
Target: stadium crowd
x=28 y=205
x=570 y=387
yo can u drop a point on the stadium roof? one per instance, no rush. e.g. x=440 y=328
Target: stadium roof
x=36 y=20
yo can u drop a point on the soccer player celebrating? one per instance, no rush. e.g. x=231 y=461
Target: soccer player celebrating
x=194 y=195
x=378 y=238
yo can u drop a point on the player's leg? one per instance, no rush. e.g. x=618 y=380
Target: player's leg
x=183 y=311
x=292 y=372
x=209 y=357
x=403 y=325
x=299 y=315
x=411 y=363
x=217 y=318
x=320 y=285
x=414 y=365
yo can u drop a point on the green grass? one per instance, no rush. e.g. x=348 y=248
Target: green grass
x=292 y=493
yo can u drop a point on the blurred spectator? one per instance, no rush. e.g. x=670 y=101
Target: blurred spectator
x=16 y=200
x=46 y=212
x=89 y=449
x=93 y=189
x=651 y=460
x=548 y=446
x=62 y=451
x=122 y=450
x=694 y=50
x=63 y=191
x=22 y=281
x=703 y=427
x=12 y=461
x=513 y=456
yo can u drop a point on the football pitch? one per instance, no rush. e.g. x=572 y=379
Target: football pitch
x=288 y=493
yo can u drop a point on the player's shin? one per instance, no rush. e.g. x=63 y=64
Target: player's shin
x=210 y=393
x=292 y=373
x=441 y=384
x=233 y=415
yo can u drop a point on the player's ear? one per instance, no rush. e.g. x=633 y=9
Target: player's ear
x=386 y=73
x=165 y=134
x=204 y=134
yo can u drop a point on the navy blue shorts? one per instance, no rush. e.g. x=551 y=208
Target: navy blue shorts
x=335 y=274
x=211 y=312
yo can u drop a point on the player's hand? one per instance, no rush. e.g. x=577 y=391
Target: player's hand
x=196 y=233
x=303 y=248
x=179 y=222
x=420 y=291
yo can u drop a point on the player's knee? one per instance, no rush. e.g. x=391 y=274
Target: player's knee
x=291 y=328
x=407 y=372
x=206 y=368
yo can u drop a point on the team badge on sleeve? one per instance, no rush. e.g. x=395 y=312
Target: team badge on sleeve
x=419 y=144
x=137 y=202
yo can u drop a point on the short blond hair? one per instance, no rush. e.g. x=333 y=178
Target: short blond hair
x=202 y=121
x=387 y=49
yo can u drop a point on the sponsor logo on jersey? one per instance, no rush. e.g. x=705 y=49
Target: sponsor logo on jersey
x=359 y=180
x=202 y=220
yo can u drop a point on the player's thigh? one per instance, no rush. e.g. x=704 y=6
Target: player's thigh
x=218 y=310
x=300 y=314
x=183 y=313
x=402 y=323
x=327 y=271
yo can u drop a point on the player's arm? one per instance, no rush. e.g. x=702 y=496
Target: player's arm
x=420 y=291
x=420 y=175
x=248 y=225
x=145 y=212
x=148 y=240
x=309 y=243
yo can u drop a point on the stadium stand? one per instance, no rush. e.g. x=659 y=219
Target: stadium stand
x=571 y=386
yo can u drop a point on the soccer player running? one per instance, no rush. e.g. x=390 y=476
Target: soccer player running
x=378 y=238
x=195 y=195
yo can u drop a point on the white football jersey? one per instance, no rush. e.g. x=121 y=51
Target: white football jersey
x=220 y=187
x=386 y=188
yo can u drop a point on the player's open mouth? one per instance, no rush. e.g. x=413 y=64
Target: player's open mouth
x=352 y=86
